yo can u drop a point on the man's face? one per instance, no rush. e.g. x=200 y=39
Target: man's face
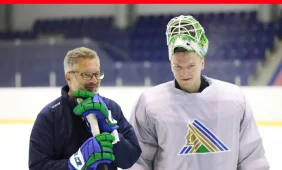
x=186 y=67
x=80 y=77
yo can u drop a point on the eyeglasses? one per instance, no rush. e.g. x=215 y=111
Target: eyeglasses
x=89 y=76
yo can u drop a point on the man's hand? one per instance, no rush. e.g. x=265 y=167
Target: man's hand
x=94 y=104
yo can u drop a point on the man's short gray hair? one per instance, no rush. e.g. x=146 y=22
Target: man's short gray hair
x=73 y=57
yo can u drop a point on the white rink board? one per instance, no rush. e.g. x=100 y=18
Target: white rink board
x=26 y=103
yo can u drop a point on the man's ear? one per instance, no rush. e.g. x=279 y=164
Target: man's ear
x=203 y=63
x=68 y=77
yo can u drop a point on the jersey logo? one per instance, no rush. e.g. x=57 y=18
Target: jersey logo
x=200 y=139
x=55 y=105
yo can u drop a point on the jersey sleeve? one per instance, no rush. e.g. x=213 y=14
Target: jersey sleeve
x=144 y=127
x=251 y=153
x=127 y=150
x=41 y=145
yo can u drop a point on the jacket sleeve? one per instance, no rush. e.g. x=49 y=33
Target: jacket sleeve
x=41 y=144
x=146 y=134
x=252 y=153
x=127 y=150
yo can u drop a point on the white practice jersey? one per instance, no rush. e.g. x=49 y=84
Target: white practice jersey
x=211 y=130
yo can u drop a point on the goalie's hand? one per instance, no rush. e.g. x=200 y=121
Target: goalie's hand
x=94 y=104
x=96 y=150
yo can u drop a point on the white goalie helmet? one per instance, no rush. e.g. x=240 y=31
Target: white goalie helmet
x=186 y=32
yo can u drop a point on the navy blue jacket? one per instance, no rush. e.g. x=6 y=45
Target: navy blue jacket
x=57 y=134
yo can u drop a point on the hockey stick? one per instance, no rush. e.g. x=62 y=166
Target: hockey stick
x=92 y=119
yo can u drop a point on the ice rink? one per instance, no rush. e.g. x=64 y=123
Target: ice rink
x=15 y=143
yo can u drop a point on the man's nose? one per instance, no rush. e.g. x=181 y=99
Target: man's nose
x=184 y=72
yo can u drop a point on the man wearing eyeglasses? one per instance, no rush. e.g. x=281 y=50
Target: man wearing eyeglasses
x=61 y=137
